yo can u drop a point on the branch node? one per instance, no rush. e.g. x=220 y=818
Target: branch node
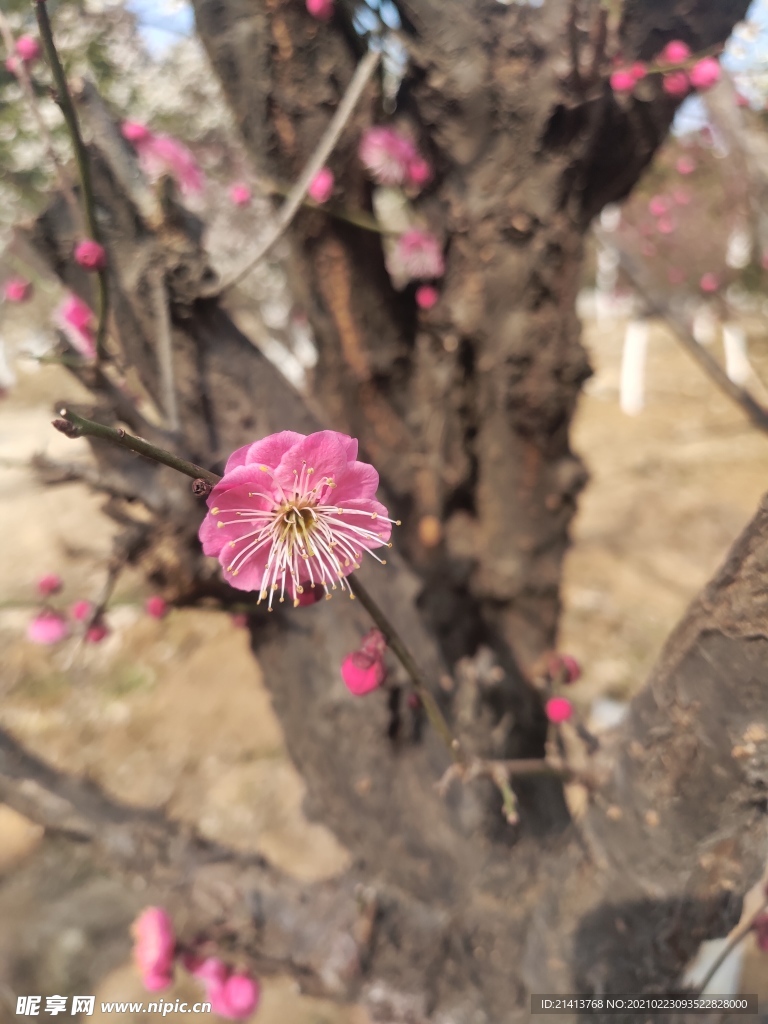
x=67 y=428
x=201 y=488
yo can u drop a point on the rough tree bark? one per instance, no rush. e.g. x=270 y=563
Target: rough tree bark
x=448 y=914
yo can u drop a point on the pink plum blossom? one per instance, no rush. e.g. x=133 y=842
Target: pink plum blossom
x=685 y=165
x=426 y=296
x=675 y=52
x=709 y=282
x=12 y=65
x=320 y=9
x=162 y=154
x=417 y=255
x=28 y=48
x=558 y=709
x=81 y=610
x=96 y=633
x=658 y=206
x=240 y=194
x=622 y=80
x=90 y=255
x=50 y=583
x=236 y=998
x=156 y=607
x=293 y=508
x=17 y=289
x=564 y=668
x=76 y=320
x=363 y=670
x=154 y=947
x=322 y=185
x=419 y=171
x=387 y=155
x=47 y=628
x=638 y=70
x=675 y=83
x=705 y=73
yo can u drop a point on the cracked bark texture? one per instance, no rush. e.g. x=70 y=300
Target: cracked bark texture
x=448 y=915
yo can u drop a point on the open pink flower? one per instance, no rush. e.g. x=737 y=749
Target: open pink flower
x=675 y=52
x=387 y=155
x=675 y=83
x=28 y=48
x=417 y=255
x=558 y=709
x=321 y=188
x=49 y=584
x=162 y=154
x=685 y=165
x=705 y=73
x=426 y=296
x=47 y=628
x=154 y=947
x=76 y=320
x=293 y=508
x=320 y=9
x=240 y=194
x=156 y=607
x=17 y=289
x=90 y=255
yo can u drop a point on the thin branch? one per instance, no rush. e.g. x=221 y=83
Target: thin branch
x=298 y=193
x=25 y=80
x=73 y=425
x=165 y=348
x=757 y=413
x=81 y=158
x=738 y=936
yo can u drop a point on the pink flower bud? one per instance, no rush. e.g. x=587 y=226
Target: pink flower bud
x=705 y=73
x=320 y=9
x=241 y=994
x=49 y=584
x=322 y=185
x=622 y=80
x=211 y=969
x=90 y=255
x=685 y=165
x=675 y=83
x=709 y=282
x=658 y=206
x=419 y=171
x=133 y=131
x=665 y=225
x=80 y=610
x=240 y=194
x=156 y=607
x=426 y=296
x=675 y=52
x=76 y=320
x=17 y=289
x=28 y=48
x=362 y=672
x=47 y=628
x=154 y=944
x=558 y=709
x=638 y=71
x=96 y=633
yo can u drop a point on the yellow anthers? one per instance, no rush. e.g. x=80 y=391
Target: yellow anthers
x=215 y=510
x=300 y=589
x=374 y=515
x=264 y=469
x=263 y=595
x=220 y=525
x=295 y=602
x=398 y=522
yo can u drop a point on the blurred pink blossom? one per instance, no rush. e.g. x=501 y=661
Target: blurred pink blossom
x=90 y=255
x=676 y=275
x=682 y=196
x=363 y=670
x=622 y=80
x=705 y=73
x=154 y=947
x=12 y=65
x=47 y=628
x=236 y=998
x=387 y=155
x=162 y=154
x=426 y=296
x=417 y=255
x=685 y=165
x=322 y=185
x=50 y=583
x=658 y=206
x=675 y=83
x=665 y=225
x=96 y=633
x=419 y=171
x=80 y=610
x=17 y=289
x=76 y=320
x=28 y=48
x=320 y=9
x=240 y=194
x=558 y=709
x=709 y=282
x=156 y=607
x=675 y=52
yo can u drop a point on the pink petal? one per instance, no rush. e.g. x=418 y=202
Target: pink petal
x=360 y=481
x=270 y=450
x=323 y=452
x=362 y=673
